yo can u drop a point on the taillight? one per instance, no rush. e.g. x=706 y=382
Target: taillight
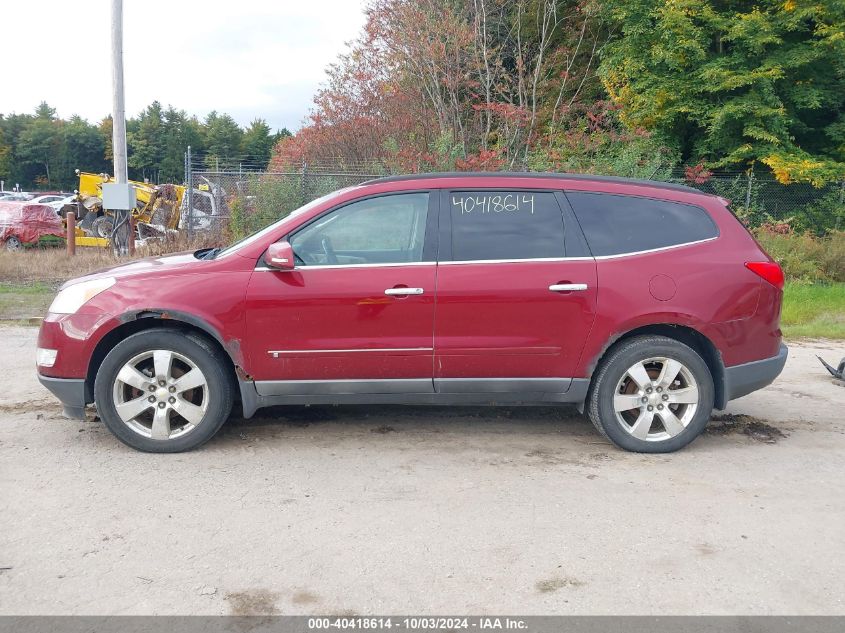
x=770 y=271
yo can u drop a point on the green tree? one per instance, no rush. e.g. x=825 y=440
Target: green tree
x=5 y=154
x=105 y=129
x=257 y=142
x=180 y=132
x=222 y=139
x=39 y=146
x=44 y=111
x=145 y=137
x=13 y=126
x=732 y=82
x=41 y=149
x=84 y=149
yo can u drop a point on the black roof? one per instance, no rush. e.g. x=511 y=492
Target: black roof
x=537 y=174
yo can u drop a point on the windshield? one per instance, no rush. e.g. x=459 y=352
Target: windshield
x=250 y=239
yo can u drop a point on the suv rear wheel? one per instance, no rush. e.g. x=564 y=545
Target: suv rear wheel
x=652 y=394
x=162 y=391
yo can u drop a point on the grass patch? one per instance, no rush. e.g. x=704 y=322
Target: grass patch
x=23 y=301
x=814 y=311
x=29 y=278
x=51 y=266
x=805 y=257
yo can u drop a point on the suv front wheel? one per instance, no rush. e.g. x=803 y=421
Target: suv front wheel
x=163 y=391
x=652 y=394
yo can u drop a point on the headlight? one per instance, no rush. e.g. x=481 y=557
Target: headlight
x=74 y=297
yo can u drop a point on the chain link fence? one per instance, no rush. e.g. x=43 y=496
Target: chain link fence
x=229 y=204
x=234 y=203
x=759 y=200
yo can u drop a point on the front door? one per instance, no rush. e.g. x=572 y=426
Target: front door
x=356 y=315
x=513 y=311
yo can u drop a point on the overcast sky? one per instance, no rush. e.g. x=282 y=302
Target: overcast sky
x=250 y=58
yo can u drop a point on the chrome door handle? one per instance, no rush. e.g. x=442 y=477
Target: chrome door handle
x=567 y=287
x=394 y=292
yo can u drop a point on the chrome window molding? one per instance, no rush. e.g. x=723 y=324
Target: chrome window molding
x=499 y=261
x=572 y=259
x=335 y=266
x=513 y=261
x=655 y=250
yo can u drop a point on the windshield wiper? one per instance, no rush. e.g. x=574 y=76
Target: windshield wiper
x=207 y=253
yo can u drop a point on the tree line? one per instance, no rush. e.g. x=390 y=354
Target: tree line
x=42 y=151
x=631 y=87
x=627 y=87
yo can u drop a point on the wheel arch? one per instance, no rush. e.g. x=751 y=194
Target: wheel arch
x=139 y=321
x=685 y=334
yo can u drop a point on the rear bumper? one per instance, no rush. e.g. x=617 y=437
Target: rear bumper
x=71 y=393
x=740 y=380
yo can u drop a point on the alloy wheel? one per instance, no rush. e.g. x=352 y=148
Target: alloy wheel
x=161 y=394
x=656 y=399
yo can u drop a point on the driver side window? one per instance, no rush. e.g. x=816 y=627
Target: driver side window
x=388 y=229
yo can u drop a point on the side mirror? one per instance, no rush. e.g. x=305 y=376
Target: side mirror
x=280 y=256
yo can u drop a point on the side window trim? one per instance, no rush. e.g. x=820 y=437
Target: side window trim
x=657 y=249
x=575 y=243
x=445 y=255
x=430 y=244
x=444 y=231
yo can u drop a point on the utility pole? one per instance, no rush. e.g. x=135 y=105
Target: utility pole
x=118 y=197
x=118 y=106
x=189 y=184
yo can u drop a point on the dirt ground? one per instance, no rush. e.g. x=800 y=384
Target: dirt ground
x=390 y=510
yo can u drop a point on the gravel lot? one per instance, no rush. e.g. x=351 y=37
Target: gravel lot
x=392 y=510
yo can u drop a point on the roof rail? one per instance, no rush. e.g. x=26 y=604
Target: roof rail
x=532 y=174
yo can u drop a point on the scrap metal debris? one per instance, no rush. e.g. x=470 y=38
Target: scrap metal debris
x=836 y=372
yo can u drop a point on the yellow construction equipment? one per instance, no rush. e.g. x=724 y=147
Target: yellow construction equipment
x=158 y=205
x=159 y=209
x=88 y=240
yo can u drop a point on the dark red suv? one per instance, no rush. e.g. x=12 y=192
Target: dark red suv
x=645 y=304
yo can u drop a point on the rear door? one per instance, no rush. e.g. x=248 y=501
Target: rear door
x=516 y=292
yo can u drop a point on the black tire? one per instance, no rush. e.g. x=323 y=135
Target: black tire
x=13 y=243
x=600 y=400
x=102 y=227
x=200 y=352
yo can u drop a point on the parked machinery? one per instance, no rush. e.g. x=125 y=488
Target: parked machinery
x=159 y=209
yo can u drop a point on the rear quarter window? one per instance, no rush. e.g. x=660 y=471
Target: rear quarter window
x=615 y=224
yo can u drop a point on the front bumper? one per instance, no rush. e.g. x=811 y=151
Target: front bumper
x=740 y=380
x=71 y=393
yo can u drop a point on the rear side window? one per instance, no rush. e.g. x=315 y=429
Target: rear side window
x=614 y=225
x=505 y=225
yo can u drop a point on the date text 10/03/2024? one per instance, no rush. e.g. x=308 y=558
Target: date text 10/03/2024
x=422 y=623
